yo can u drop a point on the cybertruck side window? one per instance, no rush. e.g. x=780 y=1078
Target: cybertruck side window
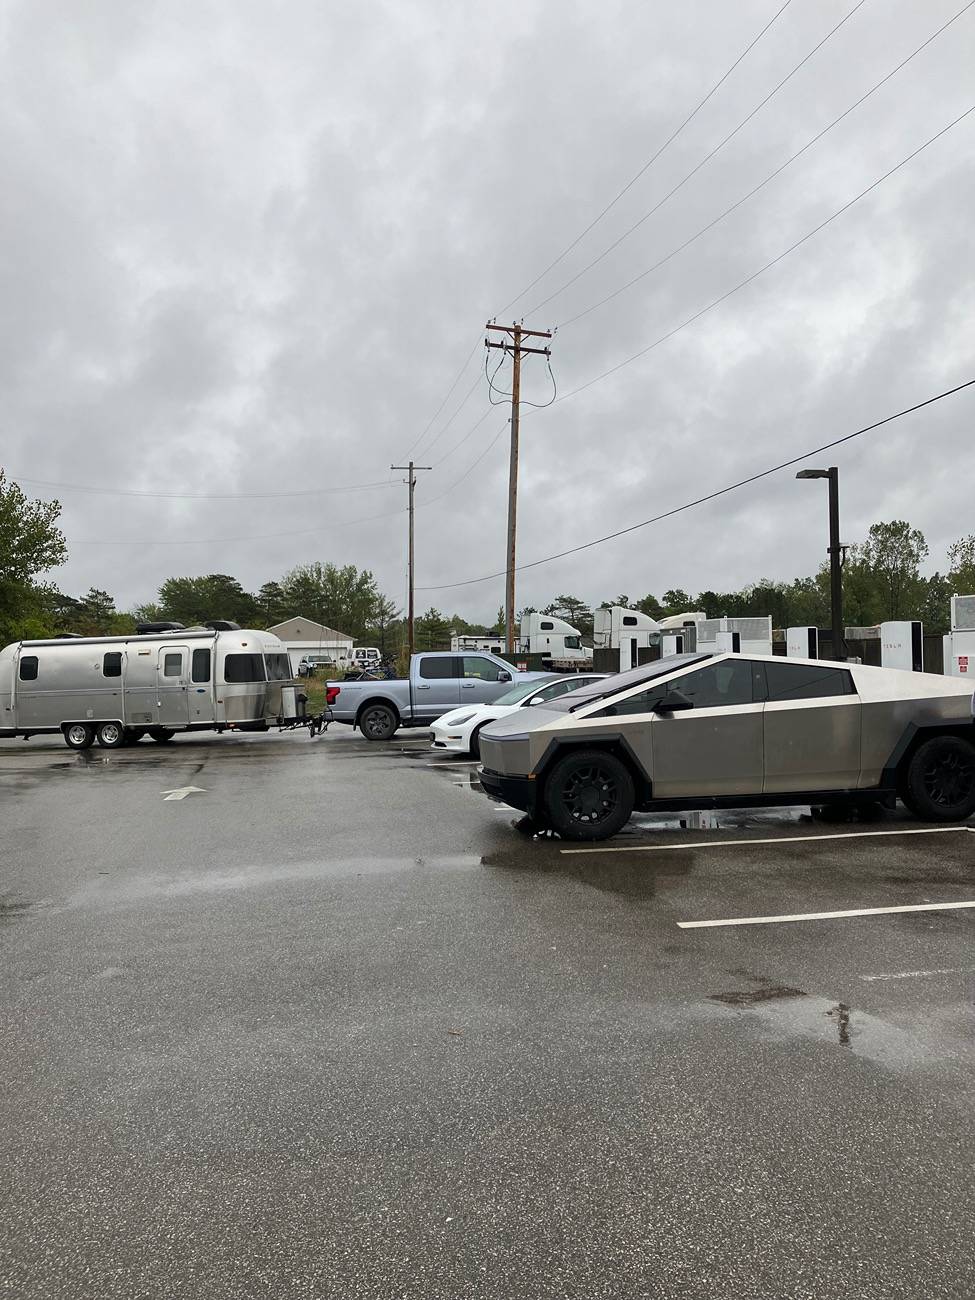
x=728 y=682
x=806 y=681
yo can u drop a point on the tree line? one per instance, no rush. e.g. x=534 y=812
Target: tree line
x=882 y=579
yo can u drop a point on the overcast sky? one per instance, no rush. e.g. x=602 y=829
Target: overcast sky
x=245 y=247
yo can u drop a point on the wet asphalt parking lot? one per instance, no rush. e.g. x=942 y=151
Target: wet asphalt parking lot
x=331 y=1027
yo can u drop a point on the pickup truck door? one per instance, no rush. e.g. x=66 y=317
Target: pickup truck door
x=482 y=680
x=436 y=685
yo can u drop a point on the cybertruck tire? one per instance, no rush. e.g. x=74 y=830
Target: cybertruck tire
x=78 y=735
x=378 y=722
x=588 y=795
x=939 y=784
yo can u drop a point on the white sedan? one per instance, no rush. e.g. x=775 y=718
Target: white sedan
x=458 y=729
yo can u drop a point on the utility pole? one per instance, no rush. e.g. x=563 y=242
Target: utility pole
x=411 y=483
x=517 y=332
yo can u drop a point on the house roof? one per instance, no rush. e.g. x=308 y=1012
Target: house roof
x=306 y=629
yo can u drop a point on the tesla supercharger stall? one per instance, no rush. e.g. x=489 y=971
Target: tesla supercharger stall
x=902 y=645
x=802 y=643
x=959 y=643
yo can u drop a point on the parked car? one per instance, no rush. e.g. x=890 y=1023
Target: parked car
x=459 y=729
x=437 y=683
x=725 y=730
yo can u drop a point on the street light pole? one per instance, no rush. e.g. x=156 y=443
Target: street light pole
x=835 y=556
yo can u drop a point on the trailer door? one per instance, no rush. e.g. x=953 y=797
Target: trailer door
x=172 y=697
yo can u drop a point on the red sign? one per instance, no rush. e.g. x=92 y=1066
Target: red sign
x=963 y=663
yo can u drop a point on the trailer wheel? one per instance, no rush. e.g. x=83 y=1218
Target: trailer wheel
x=133 y=735
x=940 y=780
x=378 y=722
x=162 y=735
x=78 y=735
x=110 y=735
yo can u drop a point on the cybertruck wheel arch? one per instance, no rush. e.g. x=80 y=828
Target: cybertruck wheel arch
x=559 y=746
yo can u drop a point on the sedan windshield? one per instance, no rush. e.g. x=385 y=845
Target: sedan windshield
x=622 y=682
x=518 y=693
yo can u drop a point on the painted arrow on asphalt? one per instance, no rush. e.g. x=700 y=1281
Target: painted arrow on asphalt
x=169 y=795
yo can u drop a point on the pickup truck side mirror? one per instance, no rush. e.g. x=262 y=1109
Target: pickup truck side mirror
x=503 y=676
x=674 y=701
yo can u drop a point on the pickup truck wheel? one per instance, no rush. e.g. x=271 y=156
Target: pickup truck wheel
x=940 y=780
x=589 y=795
x=79 y=736
x=378 y=722
x=111 y=735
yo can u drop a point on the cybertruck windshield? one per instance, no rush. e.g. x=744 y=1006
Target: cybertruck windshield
x=573 y=700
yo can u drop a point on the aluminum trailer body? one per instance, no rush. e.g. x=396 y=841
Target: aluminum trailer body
x=117 y=688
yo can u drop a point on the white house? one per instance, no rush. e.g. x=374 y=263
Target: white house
x=303 y=636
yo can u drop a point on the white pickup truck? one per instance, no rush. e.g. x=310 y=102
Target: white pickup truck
x=438 y=682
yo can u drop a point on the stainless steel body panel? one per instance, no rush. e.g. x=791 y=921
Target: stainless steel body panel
x=812 y=744
x=707 y=751
x=824 y=744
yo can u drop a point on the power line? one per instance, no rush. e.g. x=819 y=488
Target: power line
x=771 y=176
x=205 y=496
x=457 y=378
x=648 y=164
x=711 y=496
x=768 y=265
x=694 y=170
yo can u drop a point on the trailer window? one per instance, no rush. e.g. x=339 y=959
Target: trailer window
x=172 y=665
x=244 y=668
x=630 y=621
x=112 y=664
x=201 y=666
x=279 y=668
x=28 y=668
x=547 y=627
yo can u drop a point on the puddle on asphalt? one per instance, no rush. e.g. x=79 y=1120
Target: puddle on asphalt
x=751 y=997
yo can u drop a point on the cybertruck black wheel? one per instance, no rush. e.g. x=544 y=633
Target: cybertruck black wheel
x=940 y=781
x=588 y=795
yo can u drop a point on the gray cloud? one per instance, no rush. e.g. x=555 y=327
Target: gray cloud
x=247 y=247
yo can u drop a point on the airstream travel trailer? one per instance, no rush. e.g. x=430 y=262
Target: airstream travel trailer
x=117 y=689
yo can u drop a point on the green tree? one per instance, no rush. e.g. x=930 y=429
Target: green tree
x=384 y=618
x=271 y=604
x=893 y=554
x=30 y=544
x=217 y=595
x=650 y=606
x=961 y=566
x=341 y=598
x=573 y=610
x=677 y=601
x=432 y=631
x=934 y=610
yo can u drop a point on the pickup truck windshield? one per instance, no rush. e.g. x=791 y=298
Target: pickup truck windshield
x=621 y=681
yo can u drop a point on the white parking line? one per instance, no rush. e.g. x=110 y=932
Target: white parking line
x=919 y=974
x=821 y=916
x=784 y=839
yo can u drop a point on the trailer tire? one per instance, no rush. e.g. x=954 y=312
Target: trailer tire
x=162 y=735
x=940 y=780
x=79 y=735
x=111 y=735
x=133 y=735
x=378 y=722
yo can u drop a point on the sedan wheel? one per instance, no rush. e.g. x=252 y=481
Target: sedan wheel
x=940 y=784
x=589 y=796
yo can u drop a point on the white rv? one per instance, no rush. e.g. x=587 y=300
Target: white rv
x=117 y=689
